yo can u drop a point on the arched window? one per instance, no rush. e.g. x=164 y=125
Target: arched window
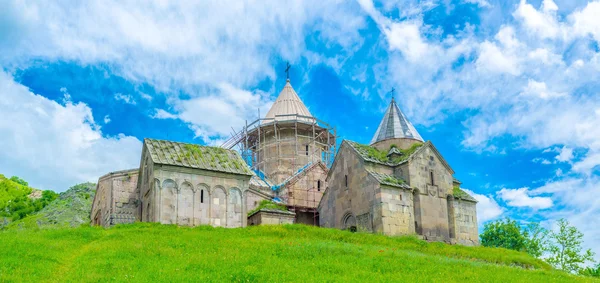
x=201 y=196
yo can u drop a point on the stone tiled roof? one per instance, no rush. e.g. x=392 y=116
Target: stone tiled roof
x=395 y=125
x=372 y=154
x=289 y=103
x=460 y=194
x=389 y=180
x=196 y=156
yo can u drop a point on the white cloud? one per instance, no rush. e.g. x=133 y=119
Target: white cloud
x=214 y=115
x=487 y=208
x=539 y=89
x=127 y=98
x=565 y=155
x=541 y=23
x=178 y=47
x=521 y=198
x=162 y=114
x=106 y=119
x=55 y=146
x=588 y=163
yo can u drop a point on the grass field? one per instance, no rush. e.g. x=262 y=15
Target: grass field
x=293 y=253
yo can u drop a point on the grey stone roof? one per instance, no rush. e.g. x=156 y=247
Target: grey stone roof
x=372 y=154
x=288 y=103
x=389 y=180
x=395 y=125
x=196 y=156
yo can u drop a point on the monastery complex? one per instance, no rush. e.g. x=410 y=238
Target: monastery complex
x=399 y=184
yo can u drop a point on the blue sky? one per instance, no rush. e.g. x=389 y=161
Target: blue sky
x=506 y=90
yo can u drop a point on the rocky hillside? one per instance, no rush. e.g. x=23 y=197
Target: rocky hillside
x=71 y=208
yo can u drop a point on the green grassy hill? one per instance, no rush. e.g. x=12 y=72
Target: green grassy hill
x=18 y=200
x=294 y=253
x=71 y=209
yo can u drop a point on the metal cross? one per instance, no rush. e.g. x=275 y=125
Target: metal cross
x=392 y=92
x=287 y=70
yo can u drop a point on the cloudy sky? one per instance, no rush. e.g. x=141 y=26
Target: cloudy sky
x=507 y=90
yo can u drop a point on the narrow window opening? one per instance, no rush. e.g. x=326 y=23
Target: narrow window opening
x=346 y=177
x=201 y=196
x=307 y=150
x=431 y=175
x=319 y=185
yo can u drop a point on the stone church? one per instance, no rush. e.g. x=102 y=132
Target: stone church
x=397 y=185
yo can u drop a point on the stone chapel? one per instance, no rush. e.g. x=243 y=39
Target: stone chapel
x=398 y=184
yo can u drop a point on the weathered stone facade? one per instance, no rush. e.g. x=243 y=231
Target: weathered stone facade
x=172 y=191
x=271 y=217
x=117 y=199
x=414 y=196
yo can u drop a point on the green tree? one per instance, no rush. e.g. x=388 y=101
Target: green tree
x=591 y=271
x=504 y=234
x=536 y=239
x=19 y=181
x=564 y=248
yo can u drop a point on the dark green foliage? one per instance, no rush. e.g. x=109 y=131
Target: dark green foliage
x=17 y=199
x=267 y=204
x=591 y=271
x=565 y=250
x=19 y=181
x=503 y=234
x=70 y=208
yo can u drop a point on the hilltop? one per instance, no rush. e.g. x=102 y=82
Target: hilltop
x=153 y=252
x=70 y=209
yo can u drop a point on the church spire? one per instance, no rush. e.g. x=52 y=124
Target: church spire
x=394 y=125
x=288 y=103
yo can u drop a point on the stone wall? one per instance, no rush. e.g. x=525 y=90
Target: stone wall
x=307 y=189
x=397 y=211
x=271 y=217
x=188 y=196
x=284 y=151
x=430 y=203
x=463 y=221
x=353 y=198
x=117 y=199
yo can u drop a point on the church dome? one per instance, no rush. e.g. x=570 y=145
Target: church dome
x=394 y=125
x=288 y=106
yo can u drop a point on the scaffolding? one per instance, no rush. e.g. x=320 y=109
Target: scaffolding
x=284 y=147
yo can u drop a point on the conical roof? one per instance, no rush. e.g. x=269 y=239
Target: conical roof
x=394 y=125
x=288 y=103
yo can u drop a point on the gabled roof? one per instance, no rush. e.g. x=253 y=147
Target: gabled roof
x=389 y=180
x=395 y=125
x=288 y=103
x=196 y=156
x=372 y=154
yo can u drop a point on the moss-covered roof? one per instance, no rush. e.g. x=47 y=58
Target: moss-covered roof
x=372 y=154
x=460 y=194
x=389 y=180
x=196 y=156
